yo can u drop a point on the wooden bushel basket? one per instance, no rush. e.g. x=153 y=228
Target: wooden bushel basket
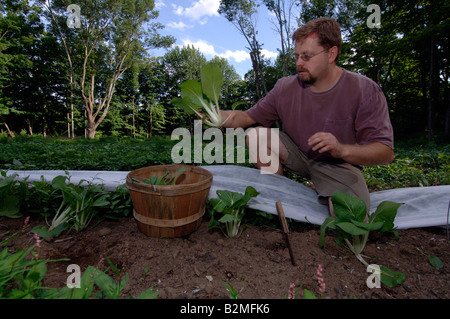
x=169 y=210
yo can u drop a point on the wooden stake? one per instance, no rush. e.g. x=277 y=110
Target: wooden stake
x=285 y=228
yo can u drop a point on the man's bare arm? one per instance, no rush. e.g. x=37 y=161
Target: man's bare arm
x=237 y=119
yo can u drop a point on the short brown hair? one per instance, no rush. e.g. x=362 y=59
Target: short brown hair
x=327 y=29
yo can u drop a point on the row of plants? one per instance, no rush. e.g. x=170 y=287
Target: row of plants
x=63 y=204
x=414 y=165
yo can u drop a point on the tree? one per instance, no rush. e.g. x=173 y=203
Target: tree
x=111 y=36
x=29 y=70
x=243 y=15
x=282 y=9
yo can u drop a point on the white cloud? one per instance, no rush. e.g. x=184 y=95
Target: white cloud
x=209 y=50
x=198 y=9
x=204 y=47
x=159 y=4
x=237 y=55
x=179 y=25
x=269 y=54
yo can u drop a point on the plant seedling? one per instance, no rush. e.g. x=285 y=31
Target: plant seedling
x=349 y=223
x=153 y=180
x=204 y=96
x=231 y=205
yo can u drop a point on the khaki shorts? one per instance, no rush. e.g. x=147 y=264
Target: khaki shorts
x=326 y=177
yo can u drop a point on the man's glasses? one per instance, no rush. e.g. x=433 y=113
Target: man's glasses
x=306 y=57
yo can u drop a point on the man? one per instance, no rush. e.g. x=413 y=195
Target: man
x=335 y=121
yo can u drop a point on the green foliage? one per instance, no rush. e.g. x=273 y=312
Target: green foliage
x=198 y=97
x=351 y=225
x=22 y=275
x=230 y=206
x=166 y=179
x=9 y=202
x=435 y=261
x=234 y=294
x=67 y=205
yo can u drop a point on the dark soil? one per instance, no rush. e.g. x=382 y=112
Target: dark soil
x=257 y=264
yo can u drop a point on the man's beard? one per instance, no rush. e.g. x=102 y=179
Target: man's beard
x=306 y=77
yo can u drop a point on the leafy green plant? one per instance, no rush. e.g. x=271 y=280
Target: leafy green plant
x=434 y=261
x=9 y=202
x=231 y=206
x=165 y=180
x=78 y=207
x=204 y=96
x=22 y=275
x=234 y=294
x=350 y=224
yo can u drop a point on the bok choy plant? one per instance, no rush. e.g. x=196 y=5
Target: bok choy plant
x=350 y=224
x=167 y=179
x=78 y=207
x=231 y=206
x=203 y=97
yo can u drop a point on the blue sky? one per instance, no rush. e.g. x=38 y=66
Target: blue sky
x=197 y=22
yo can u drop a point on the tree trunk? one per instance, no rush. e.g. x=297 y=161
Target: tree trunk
x=256 y=71
x=91 y=128
x=430 y=97
x=11 y=133
x=447 y=117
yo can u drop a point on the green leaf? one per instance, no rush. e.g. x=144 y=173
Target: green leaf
x=236 y=104
x=329 y=222
x=192 y=91
x=148 y=294
x=385 y=212
x=227 y=218
x=59 y=182
x=106 y=284
x=212 y=81
x=10 y=206
x=352 y=229
x=348 y=207
x=250 y=192
x=229 y=198
x=184 y=104
x=368 y=226
x=391 y=278
x=44 y=232
x=308 y=294
x=435 y=262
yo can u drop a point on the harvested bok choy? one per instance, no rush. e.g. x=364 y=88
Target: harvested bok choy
x=203 y=98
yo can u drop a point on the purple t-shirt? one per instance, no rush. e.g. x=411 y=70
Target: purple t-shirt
x=354 y=110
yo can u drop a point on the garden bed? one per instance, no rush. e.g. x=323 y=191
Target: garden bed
x=257 y=264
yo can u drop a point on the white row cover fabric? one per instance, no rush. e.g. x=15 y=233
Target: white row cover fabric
x=423 y=206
